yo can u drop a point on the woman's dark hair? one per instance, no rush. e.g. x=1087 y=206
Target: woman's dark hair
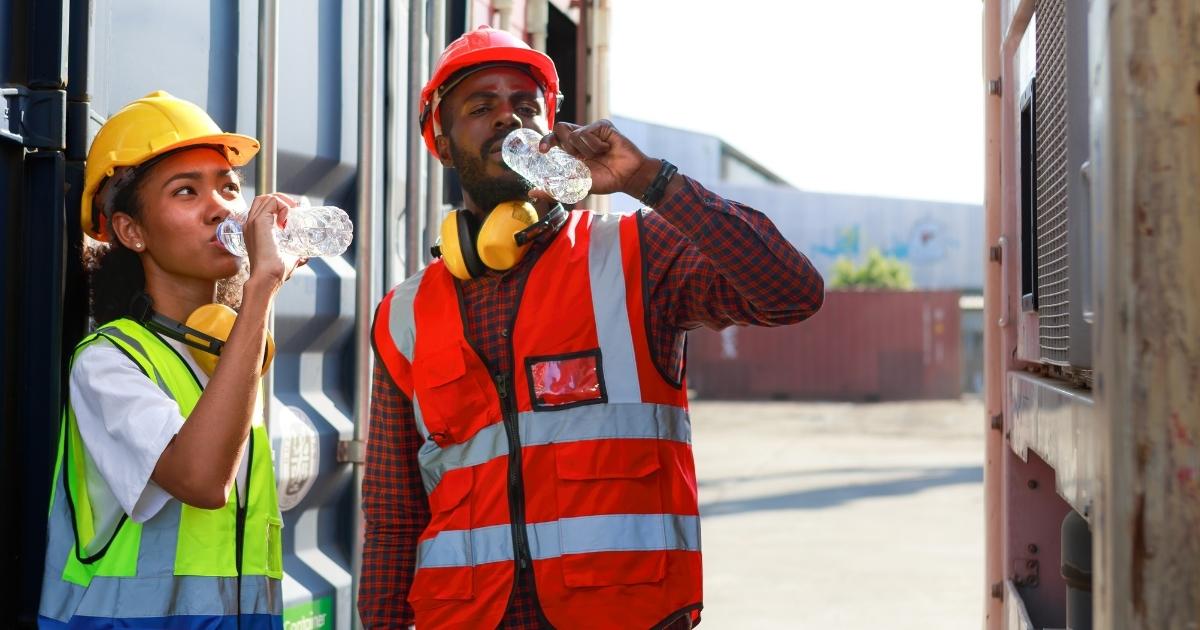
x=115 y=273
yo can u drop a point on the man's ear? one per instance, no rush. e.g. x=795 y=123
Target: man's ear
x=128 y=231
x=443 y=148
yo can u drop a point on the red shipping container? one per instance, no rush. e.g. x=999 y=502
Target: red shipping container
x=861 y=346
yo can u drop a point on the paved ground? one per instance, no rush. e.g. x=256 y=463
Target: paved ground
x=841 y=516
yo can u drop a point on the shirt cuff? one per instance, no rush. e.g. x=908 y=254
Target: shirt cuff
x=691 y=207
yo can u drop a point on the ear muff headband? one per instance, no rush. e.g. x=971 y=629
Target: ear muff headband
x=182 y=333
x=551 y=222
x=142 y=310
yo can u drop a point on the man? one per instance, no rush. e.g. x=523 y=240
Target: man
x=529 y=462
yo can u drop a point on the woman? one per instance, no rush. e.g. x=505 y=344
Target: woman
x=164 y=512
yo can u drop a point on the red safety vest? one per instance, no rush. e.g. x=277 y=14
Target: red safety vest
x=577 y=465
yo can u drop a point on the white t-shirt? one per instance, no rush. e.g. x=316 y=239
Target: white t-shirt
x=125 y=422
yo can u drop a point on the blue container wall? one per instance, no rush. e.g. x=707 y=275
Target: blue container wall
x=207 y=52
x=36 y=269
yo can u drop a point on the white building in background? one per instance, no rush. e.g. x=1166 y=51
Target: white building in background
x=942 y=242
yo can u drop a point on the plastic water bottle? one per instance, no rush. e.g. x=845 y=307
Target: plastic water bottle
x=311 y=232
x=557 y=172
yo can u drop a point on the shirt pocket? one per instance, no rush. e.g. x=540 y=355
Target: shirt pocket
x=454 y=401
x=611 y=527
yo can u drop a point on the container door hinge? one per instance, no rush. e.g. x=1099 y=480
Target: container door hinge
x=34 y=119
x=352 y=452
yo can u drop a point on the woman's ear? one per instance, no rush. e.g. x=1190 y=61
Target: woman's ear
x=128 y=231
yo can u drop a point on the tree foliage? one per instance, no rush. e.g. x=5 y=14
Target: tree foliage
x=878 y=272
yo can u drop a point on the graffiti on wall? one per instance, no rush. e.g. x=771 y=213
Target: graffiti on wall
x=925 y=242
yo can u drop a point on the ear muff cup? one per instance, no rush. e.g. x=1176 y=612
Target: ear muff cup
x=468 y=231
x=496 y=243
x=456 y=245
x=449 y=249
x=217 y=320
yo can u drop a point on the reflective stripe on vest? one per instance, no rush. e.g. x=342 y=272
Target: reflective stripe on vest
x=581 y=534
x=604 y=436
x=593 y=422
x=183 y=560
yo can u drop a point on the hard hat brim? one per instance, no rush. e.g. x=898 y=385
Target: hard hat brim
x=239 y=149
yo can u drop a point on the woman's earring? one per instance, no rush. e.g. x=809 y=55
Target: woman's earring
x=138 y=246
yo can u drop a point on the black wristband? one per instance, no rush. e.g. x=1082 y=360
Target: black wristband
x=654 y=192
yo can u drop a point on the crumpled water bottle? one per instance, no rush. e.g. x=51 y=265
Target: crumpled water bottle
x=557 y=172
x=311 y=232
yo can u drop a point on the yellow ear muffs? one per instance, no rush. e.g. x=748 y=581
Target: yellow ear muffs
x=456 y=245
x=216 y=320
x=497 y=240
x=469 y=249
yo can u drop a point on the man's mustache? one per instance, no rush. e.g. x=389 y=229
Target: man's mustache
x=487 y=146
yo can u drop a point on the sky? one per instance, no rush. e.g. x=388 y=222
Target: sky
x=869 y=97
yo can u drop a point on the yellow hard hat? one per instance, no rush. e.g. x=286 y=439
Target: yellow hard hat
x=148 y=127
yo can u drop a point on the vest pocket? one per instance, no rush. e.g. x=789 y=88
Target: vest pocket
x=445 y=559
x=449 y=383
x=274 y=547
x=565 y=381
x=611 y=528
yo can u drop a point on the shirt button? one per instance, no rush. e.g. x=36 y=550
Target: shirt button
x=504 y=333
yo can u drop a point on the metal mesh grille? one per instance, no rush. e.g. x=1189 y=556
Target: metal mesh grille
x=1050 y=138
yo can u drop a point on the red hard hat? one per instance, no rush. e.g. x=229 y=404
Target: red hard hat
x=485 y=45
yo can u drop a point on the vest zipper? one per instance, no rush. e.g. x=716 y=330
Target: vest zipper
x=516 y=485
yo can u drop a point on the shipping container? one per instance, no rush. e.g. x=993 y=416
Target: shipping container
x=1092 y=496
x=329 y=87
x=861 y=346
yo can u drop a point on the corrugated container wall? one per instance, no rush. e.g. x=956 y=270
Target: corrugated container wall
x=66 y=65
x=206 y=52
x=861 y=345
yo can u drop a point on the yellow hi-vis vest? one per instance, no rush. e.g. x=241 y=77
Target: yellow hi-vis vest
x=181 y=568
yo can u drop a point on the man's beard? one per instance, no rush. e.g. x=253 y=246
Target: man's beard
x=488 y=192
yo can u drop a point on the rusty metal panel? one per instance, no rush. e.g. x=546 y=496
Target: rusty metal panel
x=1032 y=521
x=1058 y=423
x=862 y=345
